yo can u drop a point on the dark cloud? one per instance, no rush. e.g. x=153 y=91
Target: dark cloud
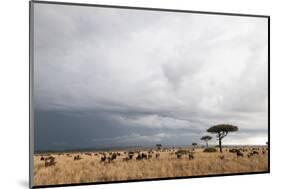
x=105 y=77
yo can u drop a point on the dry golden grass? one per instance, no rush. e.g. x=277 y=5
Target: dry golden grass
x=91 y=169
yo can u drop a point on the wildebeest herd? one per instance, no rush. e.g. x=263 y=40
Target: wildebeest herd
x=102 y=166
x=109 y=157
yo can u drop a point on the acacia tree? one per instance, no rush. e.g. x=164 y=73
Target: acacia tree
x=222 y=130
x=194 y=144
x=159 y=146
x=206 y=139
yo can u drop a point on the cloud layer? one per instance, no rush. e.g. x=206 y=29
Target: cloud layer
x=141 y=77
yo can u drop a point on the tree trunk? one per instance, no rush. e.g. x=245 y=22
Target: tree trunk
x=207 y=144
x=220 y=145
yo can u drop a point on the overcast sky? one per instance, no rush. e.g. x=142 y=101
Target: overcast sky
x=108 y=77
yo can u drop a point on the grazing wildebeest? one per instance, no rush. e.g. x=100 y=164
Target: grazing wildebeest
x=178 y=155
x=221 y=157
x=190 y=156
x=233 y=150
x=49 y=161
x=42 y=158
x=112 y=157
x=139 y=157
x=103 y=158
x=239 y=154
x=253 y=153
x=157 y=155
x=77 y=157
x=126 y=159
x=144 y=156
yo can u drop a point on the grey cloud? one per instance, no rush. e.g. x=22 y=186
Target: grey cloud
x=138 y=73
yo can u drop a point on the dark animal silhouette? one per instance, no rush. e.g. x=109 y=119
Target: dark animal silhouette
x=157 y=155
x=190 y=156
x=77 y=157
x=49 y=161
x=103 y=158
x=239 y=154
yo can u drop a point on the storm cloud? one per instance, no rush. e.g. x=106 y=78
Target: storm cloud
x=106 y=77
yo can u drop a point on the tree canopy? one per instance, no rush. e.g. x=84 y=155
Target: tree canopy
x=222 y=128
x=206 y=138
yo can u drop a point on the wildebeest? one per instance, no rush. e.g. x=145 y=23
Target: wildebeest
x=141 y=156
x=126 y=159
x=103 y=158
x=233 y=150
x=77 y=157
x=113 y=156
x=221 y=157
x=190 y=156
x=110 y=158
x=178 y=155
x=49 y=161
x=157 y=155
x=253 y=153
x=239 y=154
x=42 y=158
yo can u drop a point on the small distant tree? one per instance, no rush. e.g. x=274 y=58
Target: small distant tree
x=159 y=146
x=194 y=144
x=206 y=139
x=222 y=130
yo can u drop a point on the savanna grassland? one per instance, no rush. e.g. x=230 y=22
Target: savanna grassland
x=82 y=167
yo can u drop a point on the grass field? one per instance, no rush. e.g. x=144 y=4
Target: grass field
x=89 y=167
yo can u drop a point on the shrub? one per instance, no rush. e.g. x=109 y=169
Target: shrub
x=210 y=150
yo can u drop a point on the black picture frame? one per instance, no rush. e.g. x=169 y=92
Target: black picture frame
x=31 y=127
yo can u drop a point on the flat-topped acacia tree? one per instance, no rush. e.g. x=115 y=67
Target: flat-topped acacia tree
x=206 y=139
x=222 y=130
x=194 y=144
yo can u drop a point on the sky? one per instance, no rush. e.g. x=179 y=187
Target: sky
x=107 y=77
